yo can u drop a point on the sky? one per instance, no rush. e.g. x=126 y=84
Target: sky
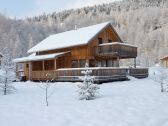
x=23 y=8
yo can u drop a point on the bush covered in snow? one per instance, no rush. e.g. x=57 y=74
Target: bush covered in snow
x=87 y=90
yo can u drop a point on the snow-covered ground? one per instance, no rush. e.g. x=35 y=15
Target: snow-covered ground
x=127 y=103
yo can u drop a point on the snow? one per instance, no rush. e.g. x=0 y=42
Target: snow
x=34 y=57
x=71 y=38
x=117 y=43
x=128 y=103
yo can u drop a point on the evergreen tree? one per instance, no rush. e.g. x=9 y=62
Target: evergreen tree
x=87 y=90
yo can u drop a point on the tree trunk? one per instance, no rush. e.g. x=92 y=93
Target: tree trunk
x=5 y=89
x=5 y=84
x=46 y=96
x=162 y=89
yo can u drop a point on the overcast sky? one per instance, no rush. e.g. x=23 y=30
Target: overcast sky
x=22 y=8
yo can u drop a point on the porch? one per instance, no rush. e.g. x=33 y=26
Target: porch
x=102 y=74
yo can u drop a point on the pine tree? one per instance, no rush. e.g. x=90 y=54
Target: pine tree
x=87 y=90
x=6 y=73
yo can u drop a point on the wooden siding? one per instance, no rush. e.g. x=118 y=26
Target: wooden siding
x=26 y=70
x=64 y=61
x=165 y=62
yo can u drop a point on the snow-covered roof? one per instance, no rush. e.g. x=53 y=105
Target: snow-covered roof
x=119 y=43
x=165 y=57
x=71 y=38
x=34 y=57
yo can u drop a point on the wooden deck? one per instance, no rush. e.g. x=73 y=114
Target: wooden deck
x=103 y=74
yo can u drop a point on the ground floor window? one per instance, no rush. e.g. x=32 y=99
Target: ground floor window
x=115 y=63
x=107 y=63
x=82 y=63
x=92 y=63
x=20 y=67
x=74 y=63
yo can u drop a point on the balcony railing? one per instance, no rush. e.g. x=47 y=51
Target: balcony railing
x=116 y=49
x=101 y=74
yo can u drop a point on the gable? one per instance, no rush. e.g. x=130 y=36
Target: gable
x=106 y=34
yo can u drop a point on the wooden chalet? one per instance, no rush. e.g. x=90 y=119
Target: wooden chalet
x=64 y=55
x=164 y=61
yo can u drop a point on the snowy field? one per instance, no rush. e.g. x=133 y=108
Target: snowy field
x=128 y=103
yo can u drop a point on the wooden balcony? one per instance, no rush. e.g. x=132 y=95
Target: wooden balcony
x=102 y=74
x=114 y=50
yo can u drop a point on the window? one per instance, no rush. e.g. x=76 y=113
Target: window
x=92 y=63
x=109 y=63
x=100 y=40
x=20 y=67
x=103 y=63
x=49 y=65
x=82 y=63
x=98 y=63
x=109 y=41
x=115 y=63
x=74 y=64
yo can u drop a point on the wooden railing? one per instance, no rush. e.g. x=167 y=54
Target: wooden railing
x=100 y=73
x=115 y=50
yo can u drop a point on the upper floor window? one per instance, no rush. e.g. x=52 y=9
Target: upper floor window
x=100 y=40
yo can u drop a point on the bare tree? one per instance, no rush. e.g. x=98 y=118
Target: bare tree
x=7 y=73
x=161 y=76
x=48 y=87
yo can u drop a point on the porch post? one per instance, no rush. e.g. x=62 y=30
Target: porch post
x=43 y=69
x=43 y=65
x=55 y=64
x=87 y=61
x=78 y=63
x=30 y=71
x=118 y=59
x=106 y=63
x=134 y=62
